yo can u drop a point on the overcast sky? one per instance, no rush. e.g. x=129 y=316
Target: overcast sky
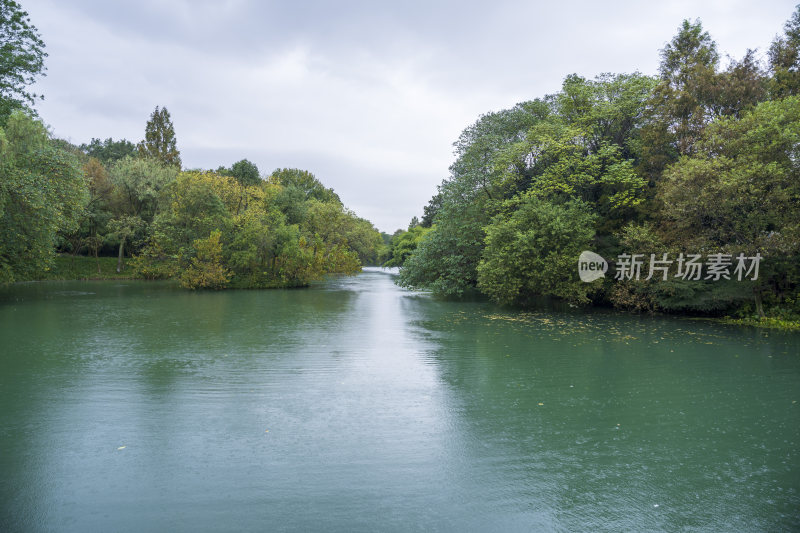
x=369 y=96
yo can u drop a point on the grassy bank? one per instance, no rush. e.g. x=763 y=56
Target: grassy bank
x=766 y=322
x=68 y=267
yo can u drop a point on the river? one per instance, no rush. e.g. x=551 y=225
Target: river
x=355 y=405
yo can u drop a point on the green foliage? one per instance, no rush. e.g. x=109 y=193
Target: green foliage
x=403 y=244
x=740 y=191
x=138 y=183
x=21 y=58
x=304 y=181
x=741 y=86
x=784 y=59
x=259 y=246
x=609 y=109
x=42 y=191
x=206 y=270
x=674 y=294
x=196 y=207
x=347 y=239
x=430 y=210
x=742 y=186
x=764 y=322
x=685 y=95
x=245 y=172
x=109 y=151
x=291 y=200
x=581 y=144
x=532 y=249
x=446 y=261
x=695 y=161
x=159 y=139
x=72 y=267
x=205 y=229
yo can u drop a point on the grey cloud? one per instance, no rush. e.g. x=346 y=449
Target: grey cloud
x=367 y=95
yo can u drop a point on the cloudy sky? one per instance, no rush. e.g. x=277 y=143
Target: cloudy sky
x=369 y=96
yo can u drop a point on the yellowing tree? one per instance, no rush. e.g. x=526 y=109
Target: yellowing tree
x=206 y=270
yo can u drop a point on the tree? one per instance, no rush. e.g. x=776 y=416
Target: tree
x=741 y=86
x=196 y=207
x=784 y=59
x=696 y=160
x=739 y=193
x=125 y=228
x=109 y=151
x=98 y=211
x=138 y=183
x=159 y=139
x=206 y=270
x=258 y=246
x=558 y=166
x=305 y=182
x=345 y=240
x=446 y=261
x=403 y=245
x=42 y=192
x=534 y=251
x=21 y=58
x=245 y=172
x=609 y=109
x=686 y=93
x=430 y=210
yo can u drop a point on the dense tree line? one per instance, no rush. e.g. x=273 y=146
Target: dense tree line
x=229 y=227
x=698 y=159
x=208 y=229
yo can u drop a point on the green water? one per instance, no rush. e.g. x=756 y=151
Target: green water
x=358 y=406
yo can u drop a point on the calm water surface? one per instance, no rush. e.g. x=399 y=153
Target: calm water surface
x=358 y=406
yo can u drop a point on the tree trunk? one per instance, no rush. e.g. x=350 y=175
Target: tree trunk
x=121 y=251
x=759 y=305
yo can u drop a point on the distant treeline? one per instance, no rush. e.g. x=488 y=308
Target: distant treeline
x=697 y=160
x=208 y=229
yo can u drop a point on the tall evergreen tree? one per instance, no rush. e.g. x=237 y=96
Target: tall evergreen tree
x=784 y=59
x=159 y=139
x=686 y=95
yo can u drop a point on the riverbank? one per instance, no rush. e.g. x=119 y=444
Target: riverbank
x=766 y=322
x=67 y=267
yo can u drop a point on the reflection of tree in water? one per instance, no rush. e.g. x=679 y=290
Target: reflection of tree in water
x=568 y=415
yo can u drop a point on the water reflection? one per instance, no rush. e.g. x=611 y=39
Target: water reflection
x=625 y=423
